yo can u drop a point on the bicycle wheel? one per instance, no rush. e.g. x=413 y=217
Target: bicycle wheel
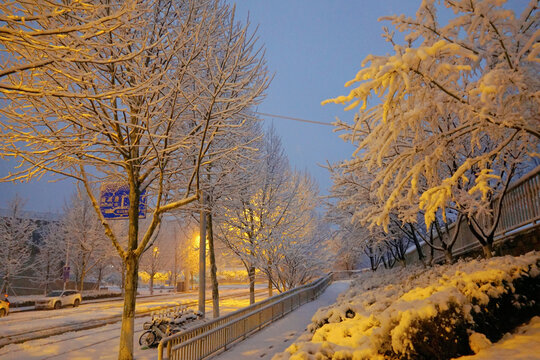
x=148 y=338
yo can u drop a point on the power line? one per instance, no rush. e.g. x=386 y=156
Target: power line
x=294 y=119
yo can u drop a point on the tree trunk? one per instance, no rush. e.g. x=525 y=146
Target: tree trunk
x=48 y=275
x=81 y=281
x=100 y=278
x=421 y=255
x=151 y=284
x=82 y=274
x=123 y=286
x=213 y=267
x=131 y=267
x=269 y=284
x=251 y=274
x=448 y=256
x=5 y=285
x=384 y=262
x=128 y=315
x=488 y=250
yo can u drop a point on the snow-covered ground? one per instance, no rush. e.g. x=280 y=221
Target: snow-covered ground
x=522 y=344
x=402 y=312
x=279 y=335
x=374 y=313
x=101 y=342
x=24 y=326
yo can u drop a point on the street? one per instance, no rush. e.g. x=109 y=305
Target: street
x=91 y=330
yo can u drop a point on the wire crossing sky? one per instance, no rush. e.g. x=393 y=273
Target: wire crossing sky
x=293 y=119
x=312 y=48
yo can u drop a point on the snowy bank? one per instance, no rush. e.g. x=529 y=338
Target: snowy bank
x=414 y=313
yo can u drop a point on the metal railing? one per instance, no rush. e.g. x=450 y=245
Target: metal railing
x=347 y=274
x=520 y=210
x=206 y=339
x=521 y=204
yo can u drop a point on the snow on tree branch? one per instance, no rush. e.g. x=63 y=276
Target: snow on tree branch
x=457 y=102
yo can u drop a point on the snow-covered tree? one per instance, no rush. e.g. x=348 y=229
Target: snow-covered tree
x=458 y=109
x=87 y=245
x=351 y=203
x=224 y=176
x=346 y=248
x=188 y=249
x=142 y=117
x=151 y=263
x=51 y=255
x=290 y=254
x=297 y=257
x=16 y=234
x=43 y=41
x=239 y=220
x=272 y=212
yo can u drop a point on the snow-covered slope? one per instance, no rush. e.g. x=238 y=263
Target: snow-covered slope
x=416 y=313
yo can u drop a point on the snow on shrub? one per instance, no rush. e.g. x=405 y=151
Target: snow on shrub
x=416 y=313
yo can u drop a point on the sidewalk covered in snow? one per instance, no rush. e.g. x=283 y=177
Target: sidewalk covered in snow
x=276 y=337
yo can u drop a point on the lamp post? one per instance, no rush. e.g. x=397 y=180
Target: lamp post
x=202 y=257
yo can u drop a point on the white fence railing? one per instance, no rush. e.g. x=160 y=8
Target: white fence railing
x=208 y=338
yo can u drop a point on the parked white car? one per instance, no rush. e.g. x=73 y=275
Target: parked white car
x=58 y=298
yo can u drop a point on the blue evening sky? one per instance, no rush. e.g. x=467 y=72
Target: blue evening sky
x=312 y=47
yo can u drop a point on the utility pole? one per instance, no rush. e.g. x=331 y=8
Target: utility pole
x=202 y=256
x=174 y=279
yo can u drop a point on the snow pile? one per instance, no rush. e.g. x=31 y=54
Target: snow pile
x=523 y=344
x=416 y=313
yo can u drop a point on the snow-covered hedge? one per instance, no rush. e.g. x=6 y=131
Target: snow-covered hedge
x=416 y=313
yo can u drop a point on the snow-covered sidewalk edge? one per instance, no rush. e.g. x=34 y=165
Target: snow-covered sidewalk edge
x=389 y=314
x=275 y=337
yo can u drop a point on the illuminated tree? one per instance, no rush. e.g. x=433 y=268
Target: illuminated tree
x=270 y=217
x=458 y=111
x=43 y=42
x=166 y=85
x=151 y=264
x=225 y=175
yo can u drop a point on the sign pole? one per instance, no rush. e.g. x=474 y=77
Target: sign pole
x=202 y=256
x=65 y=272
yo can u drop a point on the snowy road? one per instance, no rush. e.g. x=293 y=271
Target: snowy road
x=102 y=342
x=25 y=326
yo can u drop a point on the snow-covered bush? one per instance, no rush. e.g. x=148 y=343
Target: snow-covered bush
x=414 y=313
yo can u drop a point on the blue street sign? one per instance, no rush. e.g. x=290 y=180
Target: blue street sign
x=114 y=201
